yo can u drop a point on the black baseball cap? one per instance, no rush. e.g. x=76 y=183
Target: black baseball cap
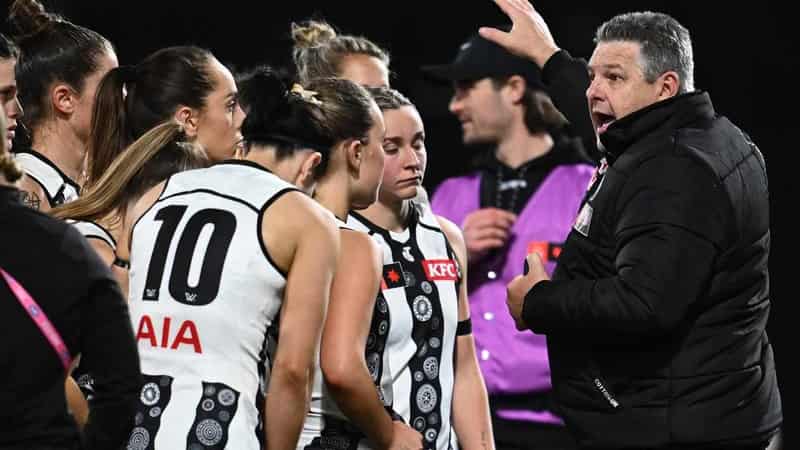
x=479 y=58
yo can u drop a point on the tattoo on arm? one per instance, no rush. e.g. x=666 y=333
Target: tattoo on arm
x=485 y=440
x=30 y=199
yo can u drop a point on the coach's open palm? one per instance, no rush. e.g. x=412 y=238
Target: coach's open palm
x=529 y=36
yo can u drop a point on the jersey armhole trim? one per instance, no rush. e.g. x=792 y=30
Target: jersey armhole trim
x=372 y=228
x=259 y=224
x=106 y=235
x=101 y=239
x=452 y=253
x=432 y=228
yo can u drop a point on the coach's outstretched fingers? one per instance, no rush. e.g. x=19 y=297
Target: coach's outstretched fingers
x=529 y=36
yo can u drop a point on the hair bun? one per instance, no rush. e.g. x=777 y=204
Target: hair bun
x=262 y=93
x=28 y=17
x=312 y=33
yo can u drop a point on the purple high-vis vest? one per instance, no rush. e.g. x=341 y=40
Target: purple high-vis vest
x=512 y=361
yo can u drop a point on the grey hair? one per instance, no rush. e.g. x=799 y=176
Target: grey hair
x=665 y=44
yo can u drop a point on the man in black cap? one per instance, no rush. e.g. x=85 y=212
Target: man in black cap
x=523 y=198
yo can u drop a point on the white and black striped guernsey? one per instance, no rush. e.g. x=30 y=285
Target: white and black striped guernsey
x=411 y=346
x=323 y=409
x=204 y=294
x=58 y=187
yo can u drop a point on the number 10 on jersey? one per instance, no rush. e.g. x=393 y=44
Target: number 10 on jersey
x=207 y=288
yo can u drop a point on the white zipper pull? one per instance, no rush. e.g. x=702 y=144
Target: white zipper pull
x=611 y=400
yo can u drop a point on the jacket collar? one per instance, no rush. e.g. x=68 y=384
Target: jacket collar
x=661 y=117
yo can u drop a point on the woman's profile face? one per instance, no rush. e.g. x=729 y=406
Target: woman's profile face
x=220 y=121
x=371 y=174
x=83 y=112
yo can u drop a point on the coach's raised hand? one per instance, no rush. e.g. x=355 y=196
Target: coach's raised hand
x=529 y=36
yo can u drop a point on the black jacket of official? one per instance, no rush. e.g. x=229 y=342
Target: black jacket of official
x=656 y=313
x=81 y=298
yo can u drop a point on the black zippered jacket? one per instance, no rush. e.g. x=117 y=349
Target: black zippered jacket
x=81 y=298
x=656 y=313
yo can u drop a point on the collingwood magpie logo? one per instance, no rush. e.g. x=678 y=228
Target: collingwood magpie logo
x=407 y=254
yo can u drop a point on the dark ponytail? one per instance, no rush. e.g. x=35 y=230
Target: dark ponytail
x=108 y=135
x=316 y=116
x=156 y=87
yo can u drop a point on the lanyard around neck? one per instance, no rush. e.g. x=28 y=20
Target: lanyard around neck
x=40 y=318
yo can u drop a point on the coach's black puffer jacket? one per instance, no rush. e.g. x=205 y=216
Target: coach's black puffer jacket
x=656 y=314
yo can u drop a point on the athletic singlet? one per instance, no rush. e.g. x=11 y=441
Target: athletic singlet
x=203 y=294
x=323 y=412
x=411 y=345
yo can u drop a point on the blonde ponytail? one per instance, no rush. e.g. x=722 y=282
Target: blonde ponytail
x=112 y=191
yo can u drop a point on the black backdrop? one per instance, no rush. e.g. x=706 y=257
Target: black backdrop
x=744 y=55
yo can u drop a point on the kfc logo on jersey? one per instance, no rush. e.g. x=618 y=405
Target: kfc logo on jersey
x=440 y=269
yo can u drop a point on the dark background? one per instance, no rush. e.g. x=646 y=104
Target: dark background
x=745 y=56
